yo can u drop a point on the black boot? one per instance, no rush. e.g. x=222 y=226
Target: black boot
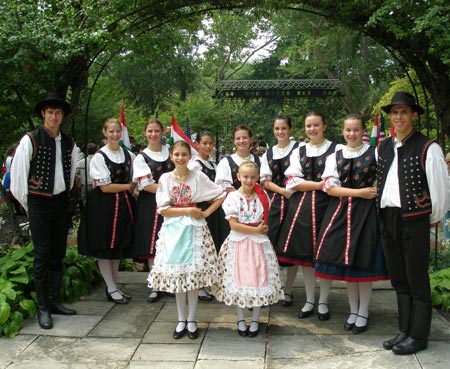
x=43 y=311
x=419 y=330
x=54 y=292
x=404 y=306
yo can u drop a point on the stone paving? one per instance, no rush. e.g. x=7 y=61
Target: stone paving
x=139 y=335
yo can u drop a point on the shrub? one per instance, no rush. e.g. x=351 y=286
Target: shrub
x=17 y=296
x=15 y=289
x=440 y=289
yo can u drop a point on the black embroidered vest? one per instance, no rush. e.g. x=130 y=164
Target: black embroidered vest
x=279 y=166
x=120 y=172
x=158 y=167
x=359 y=172
x=41 y=178
x=313 y=167
x=414 y=191
x=211 y=173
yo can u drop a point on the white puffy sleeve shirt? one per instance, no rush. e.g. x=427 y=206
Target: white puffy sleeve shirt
x=20 y=169
x=196 y=188
x=142 y=174
x=236 y=206
x=223 y=172
x=98 y=169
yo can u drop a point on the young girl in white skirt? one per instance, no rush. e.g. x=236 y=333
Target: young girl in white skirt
x=248 y=266
x=186 y=258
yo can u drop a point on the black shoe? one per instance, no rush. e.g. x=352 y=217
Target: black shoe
x=349 y=326
x=253 y=333
x=177 y=335
x=400 y=337
x=323 y=316
x=45 y=319
x=360 y=329
x=57 y=308
x=154 y=296
x=122 y=300
x=305 y=314
x=125 y=296
x=242 y=333
x=194 y=334
x=206 y=297
x=168 y=294
x=289 y=302
x=409 y=346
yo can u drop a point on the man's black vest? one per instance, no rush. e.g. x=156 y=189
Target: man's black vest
x=41 y=178
x=414 y=191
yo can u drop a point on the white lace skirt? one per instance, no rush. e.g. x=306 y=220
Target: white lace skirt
x=249 y=274
x=185 y=259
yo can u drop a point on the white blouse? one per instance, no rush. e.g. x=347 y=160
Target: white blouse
x=295 y=171
x=142 y=174
x=98 y=169
x=265 y=171
x=244 y=211
x=196 y=188
x=223 y=172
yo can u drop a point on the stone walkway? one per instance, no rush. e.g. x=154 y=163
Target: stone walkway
x=139 y=335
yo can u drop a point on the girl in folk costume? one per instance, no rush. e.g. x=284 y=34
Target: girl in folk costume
x=186 y=259
x=228 y=167
x=205 y=145
x=248 y=267
x=348 y=247
x=148 y=166
x=106 y=228
x=307 y=205
x=273 y=165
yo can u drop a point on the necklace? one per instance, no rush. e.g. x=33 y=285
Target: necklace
x=111 y=149
x=282 y=150
x=319 y=144
x=245 y=158
x=181 y=178
x=355 y=149
x=248 y=197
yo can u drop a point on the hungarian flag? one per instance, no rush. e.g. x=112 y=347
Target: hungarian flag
x=382 y=134
x=374 y=135
x=125 y=141
x=177 y=133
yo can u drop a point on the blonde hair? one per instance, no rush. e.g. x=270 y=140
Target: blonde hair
x=248 y=164
x=180 y=143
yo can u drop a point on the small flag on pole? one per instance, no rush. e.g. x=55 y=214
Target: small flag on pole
x=374 y=135
x=177 y=133
x=365 y=138
x=125 y=141
x=382 y=134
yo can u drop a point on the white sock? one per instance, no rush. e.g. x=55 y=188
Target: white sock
x=291 y=273
x=254 y=325
x=325 y=285
x=192 y=297
x=180 y=299
x=242 y=326
x=310 y=288
x=365 y=293
x=106 y=270
x=352 y=294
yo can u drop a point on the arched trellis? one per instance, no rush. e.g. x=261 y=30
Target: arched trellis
x=170 y=11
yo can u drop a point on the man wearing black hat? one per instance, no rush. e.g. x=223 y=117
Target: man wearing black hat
x=42 y=173
x=412 y=193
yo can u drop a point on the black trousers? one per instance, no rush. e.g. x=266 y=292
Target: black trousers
x=406 y=245
x=49 y=227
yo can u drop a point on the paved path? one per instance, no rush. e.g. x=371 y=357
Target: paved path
x=139 y=335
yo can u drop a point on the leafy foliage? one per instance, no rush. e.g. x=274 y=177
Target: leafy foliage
x=15 y=289
x=17 y=296
x=440 y=289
